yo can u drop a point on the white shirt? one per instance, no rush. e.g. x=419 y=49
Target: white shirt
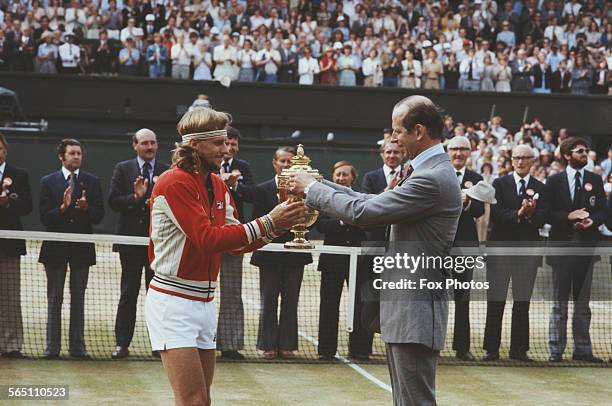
x=70 y=54
x=141 y=163
x=220 y=53
x=67 y=173
x=477 y=69
x=272 y=55
x=571 y=181
x=388 y=175
x=556 y=30
x=2 y=168
x=370 y=66
x=307 y=68
x=182 y=55
x=244 y=58
x=460 y=177
x=517 y=181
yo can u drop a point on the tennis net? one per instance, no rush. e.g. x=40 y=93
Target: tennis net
x=104 y=290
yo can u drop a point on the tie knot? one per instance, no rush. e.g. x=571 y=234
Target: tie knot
x=458 y=173
x=577 y=176
x=147 y=165
x=523 y=182
x=392 y=172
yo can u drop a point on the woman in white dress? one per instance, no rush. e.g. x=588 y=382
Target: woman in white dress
x=411 y=72
x=347 y=66
x=502 y=75
x=246 y=62
x=486 y=85
x=203 y=63
x=371 y=69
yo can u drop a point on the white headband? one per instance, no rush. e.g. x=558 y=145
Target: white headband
x=204 y=135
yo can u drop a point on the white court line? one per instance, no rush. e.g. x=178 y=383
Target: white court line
x=348 y=363
x=344 y=360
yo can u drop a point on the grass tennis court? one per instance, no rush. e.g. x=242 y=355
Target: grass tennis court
x=144 y=383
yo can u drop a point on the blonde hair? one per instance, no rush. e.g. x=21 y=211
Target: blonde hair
x=185 y=156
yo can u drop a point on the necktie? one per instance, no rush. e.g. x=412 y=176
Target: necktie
x=406 y=173
x=391 y=176
x=458 y=176
x=226 y=166
x=471 y=72
x=523 y=189
x=577 y=189
x=146 y=174
x=72 y=182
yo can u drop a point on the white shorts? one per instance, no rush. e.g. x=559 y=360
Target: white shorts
x=175 y=322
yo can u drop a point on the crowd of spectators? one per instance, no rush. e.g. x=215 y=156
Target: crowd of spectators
x=539 y=46
x=492 y=146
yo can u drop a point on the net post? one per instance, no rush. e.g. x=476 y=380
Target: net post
x=352 y=282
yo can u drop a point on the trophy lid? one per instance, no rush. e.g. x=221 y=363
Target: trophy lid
x=300 y=163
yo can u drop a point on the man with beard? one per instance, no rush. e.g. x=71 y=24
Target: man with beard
x=193 y=221
x=576 y=205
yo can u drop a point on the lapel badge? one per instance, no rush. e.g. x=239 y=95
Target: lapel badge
x=592 y=201
x=588 y=187
x=13 y=196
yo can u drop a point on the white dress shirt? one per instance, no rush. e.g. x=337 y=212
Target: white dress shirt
x=307 y=68
x=517 y=181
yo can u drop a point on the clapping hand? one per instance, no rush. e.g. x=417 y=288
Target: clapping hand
x=140 y=187
x=67 y=199
x=527 y=208
x=82 y=203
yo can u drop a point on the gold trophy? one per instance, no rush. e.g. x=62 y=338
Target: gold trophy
x=299 y=163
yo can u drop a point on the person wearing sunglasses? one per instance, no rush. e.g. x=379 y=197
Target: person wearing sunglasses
x=576 y=205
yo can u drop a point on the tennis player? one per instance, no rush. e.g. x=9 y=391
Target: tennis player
x=193 y=221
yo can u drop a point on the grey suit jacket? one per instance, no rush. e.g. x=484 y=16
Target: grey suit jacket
x=423 y=213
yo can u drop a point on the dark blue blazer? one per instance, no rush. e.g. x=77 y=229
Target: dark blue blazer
x=504 y=214
x=466 y=229
x=266 y=198
x=245 y=189
x=556 y=202
x=339 y=235
x=374 y=182
x=133 y=215
x=20 y=204
x=73 y=220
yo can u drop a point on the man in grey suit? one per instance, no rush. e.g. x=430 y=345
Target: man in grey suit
x=423 y=210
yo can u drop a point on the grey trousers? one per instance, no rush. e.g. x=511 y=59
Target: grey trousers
x=56 y=276
x=413 y=373
x=575 y=274
x=274 y=333
x=230 y=328
x=11 y=326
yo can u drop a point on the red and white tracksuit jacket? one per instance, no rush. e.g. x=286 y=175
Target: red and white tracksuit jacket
x=188 y=237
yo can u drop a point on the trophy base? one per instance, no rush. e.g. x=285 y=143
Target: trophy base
x=300 y=245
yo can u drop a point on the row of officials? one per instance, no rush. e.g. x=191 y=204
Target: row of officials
x=71 y=201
